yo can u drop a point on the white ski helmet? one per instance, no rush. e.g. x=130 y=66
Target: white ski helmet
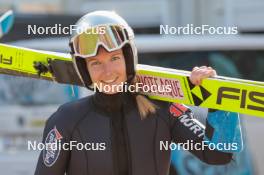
x=106 y=29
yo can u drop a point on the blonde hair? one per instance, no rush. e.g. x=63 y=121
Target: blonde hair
x=145 y=106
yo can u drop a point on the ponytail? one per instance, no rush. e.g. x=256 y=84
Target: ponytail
x=145 y=106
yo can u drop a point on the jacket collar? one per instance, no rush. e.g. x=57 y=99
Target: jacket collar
x=107 y=102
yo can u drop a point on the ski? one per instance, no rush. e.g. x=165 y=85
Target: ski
x=6 y=22
x=223 y=93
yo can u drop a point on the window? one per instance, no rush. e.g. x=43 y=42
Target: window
x=235 y=63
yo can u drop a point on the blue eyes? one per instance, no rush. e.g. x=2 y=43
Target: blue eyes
x=96 y=63
x=115 y=58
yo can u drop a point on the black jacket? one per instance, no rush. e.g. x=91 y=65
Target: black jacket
x=121 y=142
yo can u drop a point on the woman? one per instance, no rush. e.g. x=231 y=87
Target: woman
x=124 y=133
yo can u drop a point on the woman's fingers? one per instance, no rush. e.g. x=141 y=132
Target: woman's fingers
x=214 y=73
x=200 y=73
x=195 y=68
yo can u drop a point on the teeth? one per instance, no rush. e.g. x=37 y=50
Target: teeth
x=109 y=81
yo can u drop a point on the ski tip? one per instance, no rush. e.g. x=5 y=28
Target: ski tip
x=6 y=22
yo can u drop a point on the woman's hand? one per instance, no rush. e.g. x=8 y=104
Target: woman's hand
x=200 y=73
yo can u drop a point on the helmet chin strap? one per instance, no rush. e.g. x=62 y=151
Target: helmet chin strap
x=71 y=47
x=130 y=79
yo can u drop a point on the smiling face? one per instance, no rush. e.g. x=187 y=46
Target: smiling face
x=107 y=69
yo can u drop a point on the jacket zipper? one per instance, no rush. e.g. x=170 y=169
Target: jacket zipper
x=113 y=147
x=127 y=144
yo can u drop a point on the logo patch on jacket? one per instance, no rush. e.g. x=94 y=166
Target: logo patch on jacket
x=177 y=109
x=52 y=151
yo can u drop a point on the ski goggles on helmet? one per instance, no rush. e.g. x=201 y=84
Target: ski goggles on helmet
x=111 y=37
